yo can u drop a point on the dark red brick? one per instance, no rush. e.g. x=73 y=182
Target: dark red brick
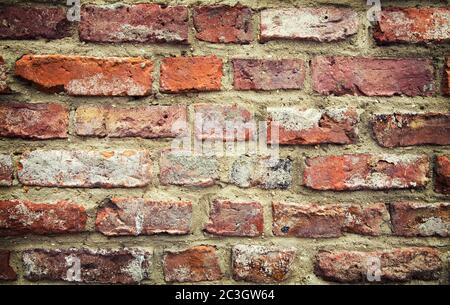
x=442 y=175
x=7 y=273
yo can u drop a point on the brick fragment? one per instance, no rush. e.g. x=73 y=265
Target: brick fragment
x=446 y=87
x=4 y=87
x=364 y=171
x=91 y=76
x=199 y=263
x=6 y=170
x=77 y=168
x=138 y=216
x=442 y=175
x=7 y=273
x=261 y=264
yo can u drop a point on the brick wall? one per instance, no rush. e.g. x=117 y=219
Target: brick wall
x=86 y=124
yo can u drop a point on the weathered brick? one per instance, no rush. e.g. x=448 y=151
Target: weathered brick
x=33 y=22
x=182 y=74
x=372 y=76
x=33 y=121
x=134 y=23
x=364 y=171
x=413 y=25
x=139 y=121
x=420 y=219
x=262 y=264
x=7 y=273
x=263 y=74
x=442 y=175
x=123 y=266
x=446 y=86
x=83 y=75
x=19 y=217
x=4 y=87
x=398 y=265
x=330 y=220
x=78 y=168
x=6 y=170
x=138 y=216
x=311 y=126
x=318 y=24
x=262 y=172
x=199 y=263
x=184 y=168
x=235 y=218
x=223 y=23
x=393 y=130
x=223 y=122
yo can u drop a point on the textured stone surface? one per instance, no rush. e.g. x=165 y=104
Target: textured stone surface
x=420 y=219
x=223 y=24
x=393 y=130
x=293 y=125
x=18 y=217
x=139 y=121
x=364 y=171
x=442 y=175
x=184 y=168
x=413 y=25
x=123 y=266
x=261 y=172
x=7 y=273
x=330 y=220
x=263 y=74
x=398 y=265
x=372 y=76
x=196 y=264
x=33 y=22
x=134 y=23
x=138 y=216
x=181 y=74
x=6 y=170
x=318 y=24
x=235 y=218
x=260 y=264
x=4 y=87
x=33 y=121
x=223 y=122
x=82 y=75
x=76 y=168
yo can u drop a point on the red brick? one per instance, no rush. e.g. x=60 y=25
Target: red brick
x=82 y=75
x=398 y=265
x=262 y=74
x=235 y=218
x=442 y=175
x=134 y=23
x=447 y=78
x=199 y=263
x=394 y=130
x=138 y=216
x=7 y=273
x=330 y=220
x=311 y=126
x=372 y=76
x=364 y=171
x=33 y=22
x=223 y=24
x=188 y=169
x=223 y=122
x=318 y=24
x=33 y=121
x=413 y=25
x=85 y=168
x=262 y=172
x=182 y=74
x=123 y=266
x=420 y=219
x=4 y=87
x=139 y=121
x=6 y=170
x=260 y=264
x=19 y=217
